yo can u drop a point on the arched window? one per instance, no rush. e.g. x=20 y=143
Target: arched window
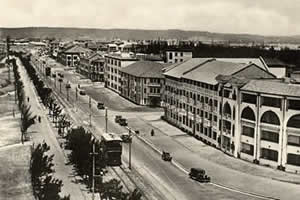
x=248 y=114
x=294 y=122
x=227 y=109
x=270 y=117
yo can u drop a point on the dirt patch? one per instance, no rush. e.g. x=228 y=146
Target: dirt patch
x=14 y=166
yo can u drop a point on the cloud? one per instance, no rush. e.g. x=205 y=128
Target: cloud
x=233 y=16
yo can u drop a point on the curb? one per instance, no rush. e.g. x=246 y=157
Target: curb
x=180 y=167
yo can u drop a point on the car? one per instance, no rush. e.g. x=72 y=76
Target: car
x=82 y=92
x=126 y=137
x=123 y=122
x=117 y=118
x=100 y=105
x=68 y=85
x=199 y=174
x=166 y=156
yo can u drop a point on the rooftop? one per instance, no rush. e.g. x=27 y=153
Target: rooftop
x=144 y=69
x=78 y=49
x=111 y=137
x=209 y=70
x=275 y=87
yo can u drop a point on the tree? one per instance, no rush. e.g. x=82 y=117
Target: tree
x=45 y=187
x=135 y=195
x=113 y=190
x=27 y=120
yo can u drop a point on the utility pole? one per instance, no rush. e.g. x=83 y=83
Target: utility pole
x=129 y=166
x=90 y=106
x=93 y=171
x=76 y=94
x=8 y=50
x=106 y=120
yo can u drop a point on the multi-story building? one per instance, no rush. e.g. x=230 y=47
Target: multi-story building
x=114 y=62
x=178 y=55
x=242 y=109
x=93 y=67
x=269 y=123
x=71 y=56
x=142 y=82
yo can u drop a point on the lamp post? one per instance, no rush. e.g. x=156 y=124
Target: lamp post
x=60 y=80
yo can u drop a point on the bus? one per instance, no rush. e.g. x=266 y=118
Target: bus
x=111 y=145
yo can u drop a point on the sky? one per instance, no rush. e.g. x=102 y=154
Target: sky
x=263 y=17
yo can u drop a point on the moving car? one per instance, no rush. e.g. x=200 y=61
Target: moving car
x=166 y=156
x=199 y=174
x=123 y=122
x=82 y=92
x=117 y=118
x=126 y=137
x=100 y=105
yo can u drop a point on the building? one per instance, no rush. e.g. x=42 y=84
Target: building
x=70 y=57
x=93 y=67
x=178 y=55
x=142 y=82
x=241 y=109
x=114 y=62
x=276 y=67
x=269 y=118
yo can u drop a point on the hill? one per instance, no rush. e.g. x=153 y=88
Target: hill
x=138 y=34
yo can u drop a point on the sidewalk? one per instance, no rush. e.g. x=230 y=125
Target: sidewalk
x=223 y=169
x=44 y=132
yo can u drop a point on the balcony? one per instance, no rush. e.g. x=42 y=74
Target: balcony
x=154 y=84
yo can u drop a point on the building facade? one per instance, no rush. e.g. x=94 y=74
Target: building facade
x=93 y=67
x=242 y=109
x=177 y=56
x=142 y=83
x=71 y=56
x=114 y=62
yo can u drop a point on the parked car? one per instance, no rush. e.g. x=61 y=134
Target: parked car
x=199 y=174
x=82 y=92
x=123 y=122
x=117 y=118
x=100 y=105
x=126 y=137
x=166 y=156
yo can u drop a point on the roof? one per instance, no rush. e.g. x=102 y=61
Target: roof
x=208 y=71
x=256 y=61
x=176 y=70
x=111 y=137
x=144 y=69
x=77 y=49
x=275 y=87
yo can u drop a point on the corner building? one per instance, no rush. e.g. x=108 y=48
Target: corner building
x=239 y=108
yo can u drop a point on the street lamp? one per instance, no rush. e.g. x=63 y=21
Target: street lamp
x=60 y=80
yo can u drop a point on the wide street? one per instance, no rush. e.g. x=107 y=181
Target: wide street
x=171 y=182
x=168 y=181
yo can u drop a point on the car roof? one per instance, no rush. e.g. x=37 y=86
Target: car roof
x=197 y=169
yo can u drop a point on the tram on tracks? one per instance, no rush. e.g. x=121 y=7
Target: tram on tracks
x=111 y=145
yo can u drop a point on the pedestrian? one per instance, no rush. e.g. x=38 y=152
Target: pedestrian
x=28 y=99
x=39 y=119
x=152 y=132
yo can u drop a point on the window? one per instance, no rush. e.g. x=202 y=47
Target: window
x=248 y=98
x=294 y=140
x=247 y=148
x=248 y=114
x=175 y=60
x=248 y=131
x=214 y=135
x=269 y=136
x=294 y=104
x=270 y=101
x=181 y=60
x=215 y=118
x=293 y=159
x=175 y=53
x=145 y=90
x=170 y=55
x=181 y=54
x=270 y=117
x=269 y=154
